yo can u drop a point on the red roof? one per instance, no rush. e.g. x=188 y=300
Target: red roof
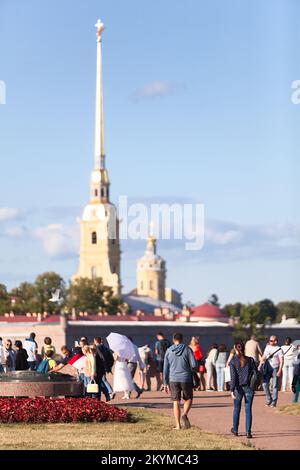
x=117 y=318
x=24 y=318
x=208 y=311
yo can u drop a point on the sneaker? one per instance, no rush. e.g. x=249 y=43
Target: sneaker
x=273 y=405
x=268 y=404
x=112 y=395
x=249 y=435
x=234 y=432
x=186 y=421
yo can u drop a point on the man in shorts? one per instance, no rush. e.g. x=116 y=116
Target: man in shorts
x=179 y=365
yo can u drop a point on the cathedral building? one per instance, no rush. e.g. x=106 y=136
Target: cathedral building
x=151 y=272
x=100 y=246
x=100 y=253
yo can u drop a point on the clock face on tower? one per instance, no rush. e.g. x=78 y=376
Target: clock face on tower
x=96 y=177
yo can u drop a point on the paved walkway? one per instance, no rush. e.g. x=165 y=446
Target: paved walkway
x=212 y=411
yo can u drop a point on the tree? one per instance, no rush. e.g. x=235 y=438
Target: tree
x=267 y=311
x=90 y=295
x=45 y=284
x=214 y=300
x=233 y=310
x=25 y=298
x=289 y=309
x=4 y=300
x=251 y=319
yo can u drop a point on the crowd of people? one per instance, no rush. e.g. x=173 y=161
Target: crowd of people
x=179 y=369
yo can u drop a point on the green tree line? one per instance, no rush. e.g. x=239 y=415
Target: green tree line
x=252 y=318
x=88 y=295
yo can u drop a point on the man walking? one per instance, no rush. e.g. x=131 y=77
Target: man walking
x=272 y=363
x=108 y=358
x=161 y=346
x=252 y=349
x=179 y=365
x=132 y=366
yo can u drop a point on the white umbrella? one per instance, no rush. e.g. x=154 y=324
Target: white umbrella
x=121 y=344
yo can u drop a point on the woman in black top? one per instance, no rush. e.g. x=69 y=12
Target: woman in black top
x=242 y=368
x=21 y=357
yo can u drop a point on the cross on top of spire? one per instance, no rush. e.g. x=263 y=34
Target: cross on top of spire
x=99 y=27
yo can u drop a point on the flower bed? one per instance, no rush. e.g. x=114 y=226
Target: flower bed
x=58 y=410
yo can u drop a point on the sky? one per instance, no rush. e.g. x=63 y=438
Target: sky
x=197 y=109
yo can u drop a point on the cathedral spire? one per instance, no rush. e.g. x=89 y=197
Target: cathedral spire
x=100 y=181
x=99 y=122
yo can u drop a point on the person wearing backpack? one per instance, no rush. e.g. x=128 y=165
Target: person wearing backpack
x=271 y=365
x=161 y=346
x=47 y=364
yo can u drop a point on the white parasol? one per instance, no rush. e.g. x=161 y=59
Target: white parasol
x=121 y=344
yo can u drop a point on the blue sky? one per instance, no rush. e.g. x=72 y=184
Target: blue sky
x=197 y=103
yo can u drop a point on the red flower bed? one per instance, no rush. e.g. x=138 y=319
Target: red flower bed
x=58 y=410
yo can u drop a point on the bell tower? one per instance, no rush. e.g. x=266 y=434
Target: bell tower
x=100 y=246
x=151 y=272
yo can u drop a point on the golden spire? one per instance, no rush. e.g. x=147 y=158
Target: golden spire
x=151 y=240
x=99 y=121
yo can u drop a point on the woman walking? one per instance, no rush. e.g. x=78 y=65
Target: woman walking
x=89 y=370
x=220 y=366
x=243 y=372
x=210 y=367
x=288 y=364
x=198 y=355
x=122 y=378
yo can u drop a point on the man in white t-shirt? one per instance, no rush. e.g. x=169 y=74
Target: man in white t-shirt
x=274 y=355
x=31 y=348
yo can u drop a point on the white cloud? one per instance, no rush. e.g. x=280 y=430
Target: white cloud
x=222 y=237
x=153 y=90
x=9 y=213
x=15 y=232
x=59 y=241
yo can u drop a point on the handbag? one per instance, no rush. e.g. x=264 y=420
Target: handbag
x=92 y=387
x=227 y=374
x=267 y=368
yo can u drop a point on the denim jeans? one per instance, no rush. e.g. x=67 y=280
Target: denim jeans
x=275 y=385
x=32 y=365
x=248 y=394
x=132 y=366
x=220 y=377
x=296 y=394
x=103 y=388
x=107 y=384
